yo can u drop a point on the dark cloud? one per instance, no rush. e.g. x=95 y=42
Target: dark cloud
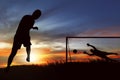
x=12 y=11
x=59 y=18
x=107 y=31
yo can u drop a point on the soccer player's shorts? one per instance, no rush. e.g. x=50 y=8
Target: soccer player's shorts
x=19 y=41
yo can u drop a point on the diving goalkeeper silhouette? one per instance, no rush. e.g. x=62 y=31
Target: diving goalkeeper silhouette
x=22 y=35
x=99 y=53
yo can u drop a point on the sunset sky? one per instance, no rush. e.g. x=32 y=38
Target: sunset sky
x=60 y=18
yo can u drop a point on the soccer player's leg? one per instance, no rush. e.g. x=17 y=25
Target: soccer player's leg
x=112 y=53
x=10 y=59
x=28 y=50
x=15 y=48
x=27 y=44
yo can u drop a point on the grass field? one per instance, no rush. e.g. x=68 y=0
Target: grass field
x=93 y=70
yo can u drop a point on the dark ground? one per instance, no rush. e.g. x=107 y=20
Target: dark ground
x=95 y=70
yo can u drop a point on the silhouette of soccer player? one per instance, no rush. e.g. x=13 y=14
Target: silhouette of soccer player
x=22 y=35
x=99 y=53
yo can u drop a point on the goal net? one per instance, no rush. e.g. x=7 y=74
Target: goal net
x=78 y=48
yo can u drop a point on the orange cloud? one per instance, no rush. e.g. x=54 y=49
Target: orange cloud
x=42 y=50
x=5 y=52
x=114 y=56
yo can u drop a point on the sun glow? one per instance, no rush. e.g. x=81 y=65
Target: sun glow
x=35 y=57
x=5 y=45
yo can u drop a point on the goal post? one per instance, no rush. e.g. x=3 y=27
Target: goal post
x=106 y=39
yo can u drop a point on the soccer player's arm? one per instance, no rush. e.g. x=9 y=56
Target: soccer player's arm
x=36 y=28
x=25 y=21
x=92 y=46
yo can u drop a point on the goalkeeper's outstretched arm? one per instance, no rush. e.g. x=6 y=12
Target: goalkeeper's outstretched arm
x=92 y=46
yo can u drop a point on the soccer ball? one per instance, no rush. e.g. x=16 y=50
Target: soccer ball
x=75 y=51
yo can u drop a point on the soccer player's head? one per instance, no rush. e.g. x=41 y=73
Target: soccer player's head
x=36 y=14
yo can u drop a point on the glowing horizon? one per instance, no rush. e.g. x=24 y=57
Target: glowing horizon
x=43 y=53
